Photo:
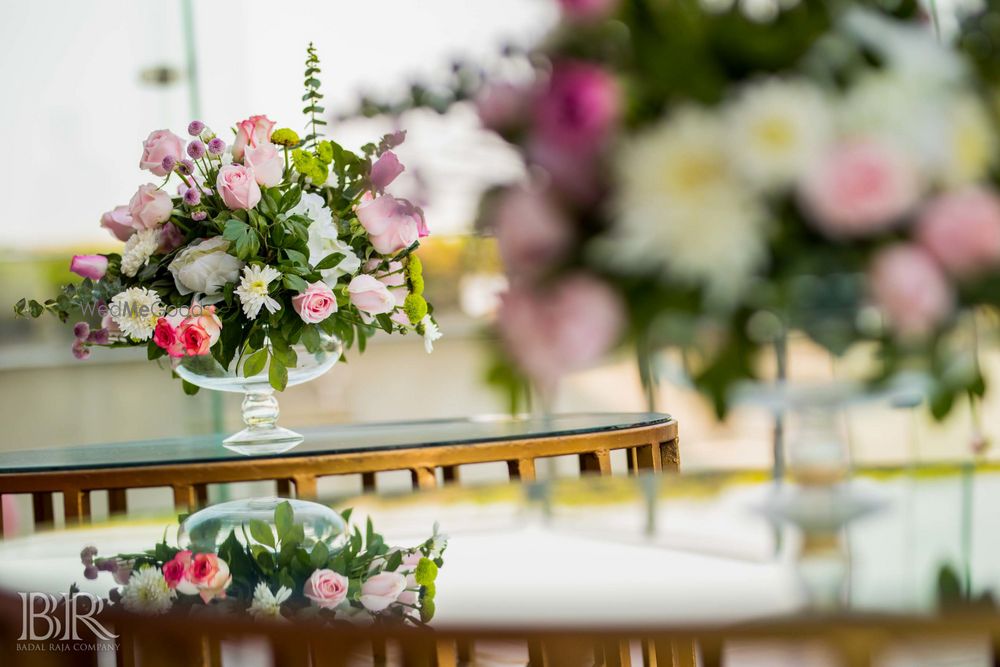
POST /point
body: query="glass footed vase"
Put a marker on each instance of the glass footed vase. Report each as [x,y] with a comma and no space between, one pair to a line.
[262,434]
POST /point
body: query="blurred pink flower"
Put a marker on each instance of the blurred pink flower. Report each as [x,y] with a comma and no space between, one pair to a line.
[382,590]
[89,266]
[501,106]
[118,221]
[962,230]
[158,145]
[910,288]
[859,188]
[587,10]
[578,109]
[565,327]
[385,170]
[531,232]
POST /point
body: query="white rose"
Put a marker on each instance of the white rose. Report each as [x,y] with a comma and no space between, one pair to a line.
[324,238]
[205,267]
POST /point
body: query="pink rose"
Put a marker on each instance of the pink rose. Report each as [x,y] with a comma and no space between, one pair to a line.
[238,187]
[561,328]
[207,320]
[394,278]
[380,591]
[859,188]
[587,10]
[532,233]
[158,145]
[149,207]
[579,109]
[175,570]
[961,230]
[392,224]
[911,290]
[369,295]
[118,221]
[385,170]
[315,304]
[326,588]
[267,163]
[195,340]
[251,132]
[409,565]
[165,337]
[89,266]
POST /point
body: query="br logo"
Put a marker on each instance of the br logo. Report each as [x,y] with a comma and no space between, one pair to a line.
[47,617]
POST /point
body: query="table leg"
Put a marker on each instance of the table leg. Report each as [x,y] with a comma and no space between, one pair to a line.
[521,469]
[305,487]
[466,651]
[671,455]
[43,508]
[201,494]
[283,488]
[536,654]
[645,458]
[596,462]
[76,505]
[185,498]
[423,478]
[368,482]
[450,474]
[117,502]
[617,654]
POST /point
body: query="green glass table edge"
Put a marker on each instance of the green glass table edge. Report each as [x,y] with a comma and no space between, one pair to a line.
[213,451]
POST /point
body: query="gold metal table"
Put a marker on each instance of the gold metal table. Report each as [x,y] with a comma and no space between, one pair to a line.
[187,465]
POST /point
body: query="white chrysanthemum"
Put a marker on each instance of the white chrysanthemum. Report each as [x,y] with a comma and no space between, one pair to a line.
[431,332]
[682,211]
[147,592]
[138,249]
[253,290]
[267,605]
[972,142]
[135,311]
[776,129]
[324,238]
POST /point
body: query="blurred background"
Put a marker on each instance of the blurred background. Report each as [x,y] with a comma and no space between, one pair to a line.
[85,89]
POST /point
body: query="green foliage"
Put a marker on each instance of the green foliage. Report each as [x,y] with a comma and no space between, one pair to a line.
[312,97]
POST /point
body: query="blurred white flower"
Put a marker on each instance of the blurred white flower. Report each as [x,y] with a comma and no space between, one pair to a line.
[138,249]
[682,211]
[777,128]
[972,142]
[147,592]
[135,311]
[324,238]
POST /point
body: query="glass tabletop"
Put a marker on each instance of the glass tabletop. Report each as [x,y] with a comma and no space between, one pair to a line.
[340,439]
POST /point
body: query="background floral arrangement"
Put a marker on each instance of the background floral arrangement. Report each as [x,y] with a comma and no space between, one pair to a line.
[711,175]
[270,241]
[275,574]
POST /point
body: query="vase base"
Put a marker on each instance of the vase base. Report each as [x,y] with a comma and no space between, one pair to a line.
[823,507]
[260,440]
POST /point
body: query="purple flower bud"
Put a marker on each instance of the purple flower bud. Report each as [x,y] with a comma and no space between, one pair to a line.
[198,216]
[196,149]
[99,337]
[216,146]
[87,555]
[115,595]
[81,330]
[90,572]
[195,127]
[107,564]
[186,167]
[168,163]
[80,350]
[192,197]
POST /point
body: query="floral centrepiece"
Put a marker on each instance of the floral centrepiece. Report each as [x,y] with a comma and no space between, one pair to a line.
[249,245]
[732,173]
[275,574]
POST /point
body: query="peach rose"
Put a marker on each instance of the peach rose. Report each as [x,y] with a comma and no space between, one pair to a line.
[267,163]
[380,591]
[205,317]
[238,187]
[326,588]
[251,132]
[961,230]
[315,304]
[149,207]
[158,145]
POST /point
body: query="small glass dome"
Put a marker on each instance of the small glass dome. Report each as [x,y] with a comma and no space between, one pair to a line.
[208,528]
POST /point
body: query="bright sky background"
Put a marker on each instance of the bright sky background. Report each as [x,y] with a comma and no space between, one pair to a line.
[75,111]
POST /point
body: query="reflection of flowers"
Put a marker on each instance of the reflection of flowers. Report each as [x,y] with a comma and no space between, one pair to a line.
[683,211]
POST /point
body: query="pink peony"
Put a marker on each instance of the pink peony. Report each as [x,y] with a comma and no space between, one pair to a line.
[267,163]
[150,207]
[251,132]
[562,328]
[911,290]
[587,10]
[579,109]
[392,224]
[315,304]
[89,266]
[158,145]
[531,232]
[238,187]
[380,591]
[859,188]
[369,295]
[326,588]
[118,221]
[385,170]
[962,231]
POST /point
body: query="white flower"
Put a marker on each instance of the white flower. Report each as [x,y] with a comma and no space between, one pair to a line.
[267,605]
[971,141]
[147,592]
[253,290]
[205,267]
[682,211]
[138,249]
[135,311]
[324,238]
[776,129]
[431,332]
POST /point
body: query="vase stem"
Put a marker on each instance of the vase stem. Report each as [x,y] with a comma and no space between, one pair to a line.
[260,409]
[262,434]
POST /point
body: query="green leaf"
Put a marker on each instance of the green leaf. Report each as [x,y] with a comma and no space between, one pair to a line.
[311,339]
[284,518]
[255,363]
[266,561]
[295,283]
[277,374]
[319,555]
[261,532]
[296,256]
[154,351]
[189,389]
[330,261]
[246,239]
[394,561]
